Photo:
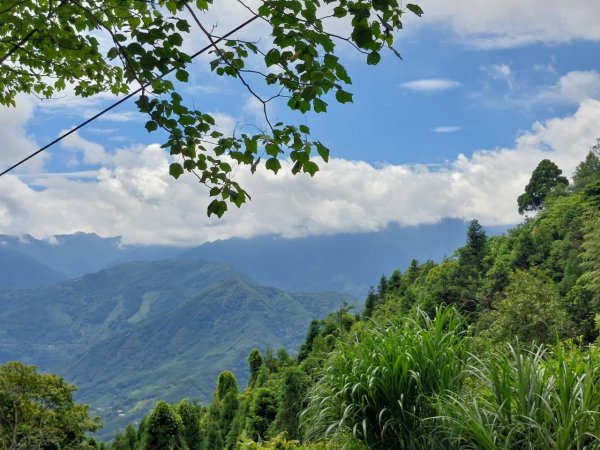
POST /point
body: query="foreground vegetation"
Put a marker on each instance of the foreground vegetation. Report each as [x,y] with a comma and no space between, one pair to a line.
[493,348]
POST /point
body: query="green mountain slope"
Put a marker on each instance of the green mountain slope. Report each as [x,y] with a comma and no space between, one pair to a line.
[141,331]
[180,354]
[47,326]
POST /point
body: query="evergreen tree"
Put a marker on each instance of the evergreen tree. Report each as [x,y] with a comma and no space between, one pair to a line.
[254,362]
[395,281]
[545,178]
[313,331]
[164,429]
[191,414]
[262,412]
[370,303]
[470,267]
[294,385]
[382,287]
[588,170]
[226,382]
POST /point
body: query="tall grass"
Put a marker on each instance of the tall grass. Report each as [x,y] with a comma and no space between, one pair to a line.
[525,400]
[379,386]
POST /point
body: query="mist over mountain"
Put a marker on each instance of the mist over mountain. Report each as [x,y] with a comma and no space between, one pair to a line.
[61,257]
[341,262]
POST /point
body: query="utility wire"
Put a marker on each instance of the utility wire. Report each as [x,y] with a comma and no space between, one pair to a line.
[124,99]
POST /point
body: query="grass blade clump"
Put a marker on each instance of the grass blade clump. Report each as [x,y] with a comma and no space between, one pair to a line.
[380,386]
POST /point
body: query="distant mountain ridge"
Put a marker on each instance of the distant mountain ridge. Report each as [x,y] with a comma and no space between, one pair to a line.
[47,261]
[348,262]
[342,262]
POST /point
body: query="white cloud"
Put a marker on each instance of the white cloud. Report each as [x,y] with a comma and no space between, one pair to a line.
[446,129]
[16,144]
[92,152]
[126,116]
[430,85]
[133,195]
[511,23]
[501,72]
[571,88]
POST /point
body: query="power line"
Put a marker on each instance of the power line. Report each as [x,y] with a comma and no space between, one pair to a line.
[124,99]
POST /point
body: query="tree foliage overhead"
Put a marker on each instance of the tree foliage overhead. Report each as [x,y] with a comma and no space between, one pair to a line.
[48,45]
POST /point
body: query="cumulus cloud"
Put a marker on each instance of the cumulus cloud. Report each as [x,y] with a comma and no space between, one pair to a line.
[571,88]
[92,153]
[430,85]
[133,196]
[511,23]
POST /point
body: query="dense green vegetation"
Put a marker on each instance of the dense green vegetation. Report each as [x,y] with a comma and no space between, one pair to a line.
[37,411]
[495,347]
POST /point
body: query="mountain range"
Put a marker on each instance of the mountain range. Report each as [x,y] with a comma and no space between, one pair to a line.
[342,262]
[133,324]
[142,331]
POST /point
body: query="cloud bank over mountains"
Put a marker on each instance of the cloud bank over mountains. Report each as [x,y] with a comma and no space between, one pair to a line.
[132,195]
[112,188]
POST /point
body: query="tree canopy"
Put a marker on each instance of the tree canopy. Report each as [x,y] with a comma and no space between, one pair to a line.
[37,411]
[49,45]
[544,179]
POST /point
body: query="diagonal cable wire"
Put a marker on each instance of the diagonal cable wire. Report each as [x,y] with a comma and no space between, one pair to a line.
[124,99]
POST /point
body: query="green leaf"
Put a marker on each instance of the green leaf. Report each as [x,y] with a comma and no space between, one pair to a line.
[319,105]
[175,39]
[183,25]
[343,96]
[416,9]
[151,126]
[310,167]
[273,164]
[381,5]
[304,129]
[323,151]
[217,207]
[362,35]
[182,75]
[175,170]
[272,57]
[272,149]
[297,167]
[112,53]
[373,58]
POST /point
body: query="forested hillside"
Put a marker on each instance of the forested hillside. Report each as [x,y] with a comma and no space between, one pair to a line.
[142,331]
[495,347]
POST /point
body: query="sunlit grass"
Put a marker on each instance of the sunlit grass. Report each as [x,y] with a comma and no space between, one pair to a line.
[379,386]
[525,400]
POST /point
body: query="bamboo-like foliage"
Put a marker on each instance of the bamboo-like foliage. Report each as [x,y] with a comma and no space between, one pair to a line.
[525,400]
[380,386]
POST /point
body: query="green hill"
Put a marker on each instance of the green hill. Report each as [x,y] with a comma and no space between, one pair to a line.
[138,332]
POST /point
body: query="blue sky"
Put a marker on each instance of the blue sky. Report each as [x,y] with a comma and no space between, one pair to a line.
[484,91]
